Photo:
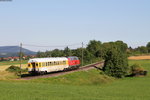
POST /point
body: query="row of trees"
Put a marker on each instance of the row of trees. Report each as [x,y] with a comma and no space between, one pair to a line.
[139,50]
[87,54]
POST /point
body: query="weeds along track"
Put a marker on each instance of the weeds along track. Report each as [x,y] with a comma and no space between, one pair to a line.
[53,74]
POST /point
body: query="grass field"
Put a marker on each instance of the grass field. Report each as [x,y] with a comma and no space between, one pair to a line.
[88,85]
[5,64]
[12,62]
[145,57]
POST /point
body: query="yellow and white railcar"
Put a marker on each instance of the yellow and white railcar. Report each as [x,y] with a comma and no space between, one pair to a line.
[43,65]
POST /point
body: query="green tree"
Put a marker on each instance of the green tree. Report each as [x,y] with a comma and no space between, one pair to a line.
[148,47]
[142,49]
[122,46]
[93,47]
[57,53]
[67,52]
[40,54]
[116,63]
[48,53]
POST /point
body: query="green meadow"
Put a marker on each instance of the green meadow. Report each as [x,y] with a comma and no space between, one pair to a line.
[12,62]
[83,85]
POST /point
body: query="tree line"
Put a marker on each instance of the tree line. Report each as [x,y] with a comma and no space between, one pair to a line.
[139,50]
[95,50]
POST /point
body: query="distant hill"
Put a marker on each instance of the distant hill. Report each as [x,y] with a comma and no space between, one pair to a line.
[8,51]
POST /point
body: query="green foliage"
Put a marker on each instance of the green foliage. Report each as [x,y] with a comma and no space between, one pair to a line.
[67,52]
[40,54]
[148,45]
[57,53]
[93,47]
[15,69]
[141,50]
[144,64]
[136,69]
[116,63]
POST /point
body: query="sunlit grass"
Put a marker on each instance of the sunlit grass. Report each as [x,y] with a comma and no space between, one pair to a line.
[84,85]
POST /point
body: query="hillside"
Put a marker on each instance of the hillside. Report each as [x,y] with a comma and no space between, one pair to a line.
[7,51]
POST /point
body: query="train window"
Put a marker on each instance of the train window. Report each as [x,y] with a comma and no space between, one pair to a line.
[43,64]
[64,62]
[39,64]
[28,65]
[36,64]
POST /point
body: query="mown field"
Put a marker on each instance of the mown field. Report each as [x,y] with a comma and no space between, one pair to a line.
[5,64]
[87,85]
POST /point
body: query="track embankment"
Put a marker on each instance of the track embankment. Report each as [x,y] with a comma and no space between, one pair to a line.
[54,74]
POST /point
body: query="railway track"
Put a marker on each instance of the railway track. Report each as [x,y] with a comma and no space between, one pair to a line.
[97,65]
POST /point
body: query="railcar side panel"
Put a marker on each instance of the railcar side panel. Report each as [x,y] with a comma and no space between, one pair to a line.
[39,65]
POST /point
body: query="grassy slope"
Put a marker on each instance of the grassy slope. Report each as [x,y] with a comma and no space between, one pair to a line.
[78,86]
[91,77]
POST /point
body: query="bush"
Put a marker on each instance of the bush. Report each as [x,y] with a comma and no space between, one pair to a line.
[137,70]
[15,69]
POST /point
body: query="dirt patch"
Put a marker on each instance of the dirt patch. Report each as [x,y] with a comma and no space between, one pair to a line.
[139,58]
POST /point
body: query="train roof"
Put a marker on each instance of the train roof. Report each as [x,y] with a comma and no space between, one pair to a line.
[47,59]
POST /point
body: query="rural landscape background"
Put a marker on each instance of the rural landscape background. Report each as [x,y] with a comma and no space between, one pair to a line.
[113,32]
[90,84]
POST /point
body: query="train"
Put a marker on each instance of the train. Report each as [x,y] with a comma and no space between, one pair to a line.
[52,64]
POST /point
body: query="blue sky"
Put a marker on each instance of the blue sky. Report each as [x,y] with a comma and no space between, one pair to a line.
[65,22]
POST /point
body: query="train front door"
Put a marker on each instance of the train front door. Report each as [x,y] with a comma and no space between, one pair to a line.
[33,67]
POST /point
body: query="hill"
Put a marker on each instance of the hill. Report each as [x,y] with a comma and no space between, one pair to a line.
[7,51]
